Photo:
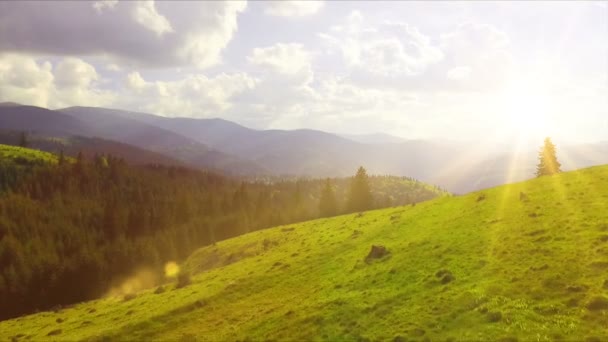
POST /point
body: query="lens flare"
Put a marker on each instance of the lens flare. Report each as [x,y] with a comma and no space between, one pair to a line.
[171,269]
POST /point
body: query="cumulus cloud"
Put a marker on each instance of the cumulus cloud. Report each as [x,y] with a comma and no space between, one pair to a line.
[193,96]
[146,15]
[284,58]
[145,34]
[290,8]
[74,72]
[388,49]
[26,80]
[286,83]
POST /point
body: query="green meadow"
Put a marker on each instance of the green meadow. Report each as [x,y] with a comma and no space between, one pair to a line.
[21,155]
[520,262]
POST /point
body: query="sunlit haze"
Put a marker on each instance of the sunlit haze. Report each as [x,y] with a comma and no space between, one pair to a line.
[417,70]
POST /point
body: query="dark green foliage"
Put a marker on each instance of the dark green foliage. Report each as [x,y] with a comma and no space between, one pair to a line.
[360,195]
[547,160]
[61,159]
[183,280]
[23,141]
[71,230]
[328,206]
[494,317]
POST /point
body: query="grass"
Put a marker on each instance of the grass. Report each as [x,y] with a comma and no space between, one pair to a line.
[526,261]
[21,155]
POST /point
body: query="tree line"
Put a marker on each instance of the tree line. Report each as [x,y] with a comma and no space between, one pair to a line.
[69,230]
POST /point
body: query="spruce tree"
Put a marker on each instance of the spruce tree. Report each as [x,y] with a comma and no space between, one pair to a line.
[360,196]
[547,160]
[61,158]
[23,142]
[328,205]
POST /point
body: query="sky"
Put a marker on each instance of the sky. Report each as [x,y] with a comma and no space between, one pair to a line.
[419,70]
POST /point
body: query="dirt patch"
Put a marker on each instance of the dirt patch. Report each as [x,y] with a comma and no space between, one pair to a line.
[598,303]
[377,252]
[494,317]
[445,276]
[55,332]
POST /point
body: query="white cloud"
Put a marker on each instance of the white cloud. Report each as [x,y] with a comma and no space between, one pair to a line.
[74,72]
[284,58]
[144,12]
[101,5]
[388,49]
[210,30]
[460,73]
[136,34]
[25,80]
[287,8]
[192,96]
[135,81]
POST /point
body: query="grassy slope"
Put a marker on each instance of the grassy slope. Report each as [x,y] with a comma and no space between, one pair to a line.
[524,269]
[22,155]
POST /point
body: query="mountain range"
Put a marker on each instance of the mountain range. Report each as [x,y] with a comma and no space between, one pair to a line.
[231,148]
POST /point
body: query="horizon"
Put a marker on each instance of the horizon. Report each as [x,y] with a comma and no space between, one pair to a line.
[465,73]
[526,143]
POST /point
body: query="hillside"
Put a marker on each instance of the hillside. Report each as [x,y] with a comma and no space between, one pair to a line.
[25,156]
[89,147]
[82,122]
[99,219]
[527,261]
[115,125]
[35,119]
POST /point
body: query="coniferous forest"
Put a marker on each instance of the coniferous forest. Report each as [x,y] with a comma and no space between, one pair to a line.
[72,228]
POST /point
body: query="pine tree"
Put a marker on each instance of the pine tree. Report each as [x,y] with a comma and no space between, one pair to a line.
[23,141]
[360,196]
[547,160]
[61,159]
[328,206]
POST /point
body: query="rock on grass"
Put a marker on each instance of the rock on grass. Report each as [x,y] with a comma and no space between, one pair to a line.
[376,252]
[598,303]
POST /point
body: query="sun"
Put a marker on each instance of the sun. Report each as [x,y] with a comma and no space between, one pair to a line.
[526,110]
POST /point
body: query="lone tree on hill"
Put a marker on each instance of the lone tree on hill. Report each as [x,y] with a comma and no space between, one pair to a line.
[360,196]
[547,160]
[328,206]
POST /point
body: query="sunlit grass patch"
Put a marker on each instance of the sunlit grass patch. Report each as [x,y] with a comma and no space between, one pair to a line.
[507,267]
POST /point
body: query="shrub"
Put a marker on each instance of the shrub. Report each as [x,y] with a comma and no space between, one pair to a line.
[183,280]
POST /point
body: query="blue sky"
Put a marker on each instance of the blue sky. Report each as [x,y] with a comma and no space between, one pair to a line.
[452,70]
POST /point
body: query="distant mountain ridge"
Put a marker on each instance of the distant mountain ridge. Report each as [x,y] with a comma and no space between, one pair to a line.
[52,123]
[374,138]
[224,145]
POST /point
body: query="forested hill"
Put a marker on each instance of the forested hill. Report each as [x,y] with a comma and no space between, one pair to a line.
[71,228]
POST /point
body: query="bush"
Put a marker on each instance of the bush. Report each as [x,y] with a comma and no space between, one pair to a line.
[183,280]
